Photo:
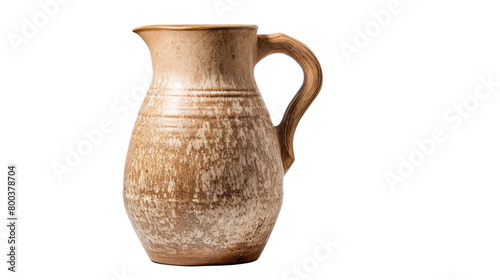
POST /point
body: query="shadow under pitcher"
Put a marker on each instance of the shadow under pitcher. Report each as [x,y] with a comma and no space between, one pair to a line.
[203,181]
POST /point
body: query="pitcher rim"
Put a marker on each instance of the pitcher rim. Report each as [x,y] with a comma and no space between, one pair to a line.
[194,26]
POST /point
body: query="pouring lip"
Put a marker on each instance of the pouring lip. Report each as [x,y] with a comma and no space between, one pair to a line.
[194,27]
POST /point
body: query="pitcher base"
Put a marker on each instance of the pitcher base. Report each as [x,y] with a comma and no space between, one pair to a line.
[207,259]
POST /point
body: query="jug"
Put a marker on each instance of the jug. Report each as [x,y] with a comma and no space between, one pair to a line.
[203,182]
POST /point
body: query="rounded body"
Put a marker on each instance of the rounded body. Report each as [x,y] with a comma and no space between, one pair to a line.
[204,173]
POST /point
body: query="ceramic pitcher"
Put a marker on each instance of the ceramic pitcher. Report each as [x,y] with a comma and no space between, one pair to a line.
[203,179]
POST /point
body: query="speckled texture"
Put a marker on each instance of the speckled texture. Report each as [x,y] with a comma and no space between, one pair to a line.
[204,171]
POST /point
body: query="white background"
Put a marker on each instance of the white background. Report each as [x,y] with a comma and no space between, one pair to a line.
[442,222]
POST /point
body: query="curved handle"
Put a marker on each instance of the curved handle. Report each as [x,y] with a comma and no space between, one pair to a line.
[313,78]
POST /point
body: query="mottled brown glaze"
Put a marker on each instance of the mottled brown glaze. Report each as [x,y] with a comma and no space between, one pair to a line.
[203,180]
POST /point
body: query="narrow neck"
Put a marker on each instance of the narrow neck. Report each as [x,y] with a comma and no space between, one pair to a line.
[205,59]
